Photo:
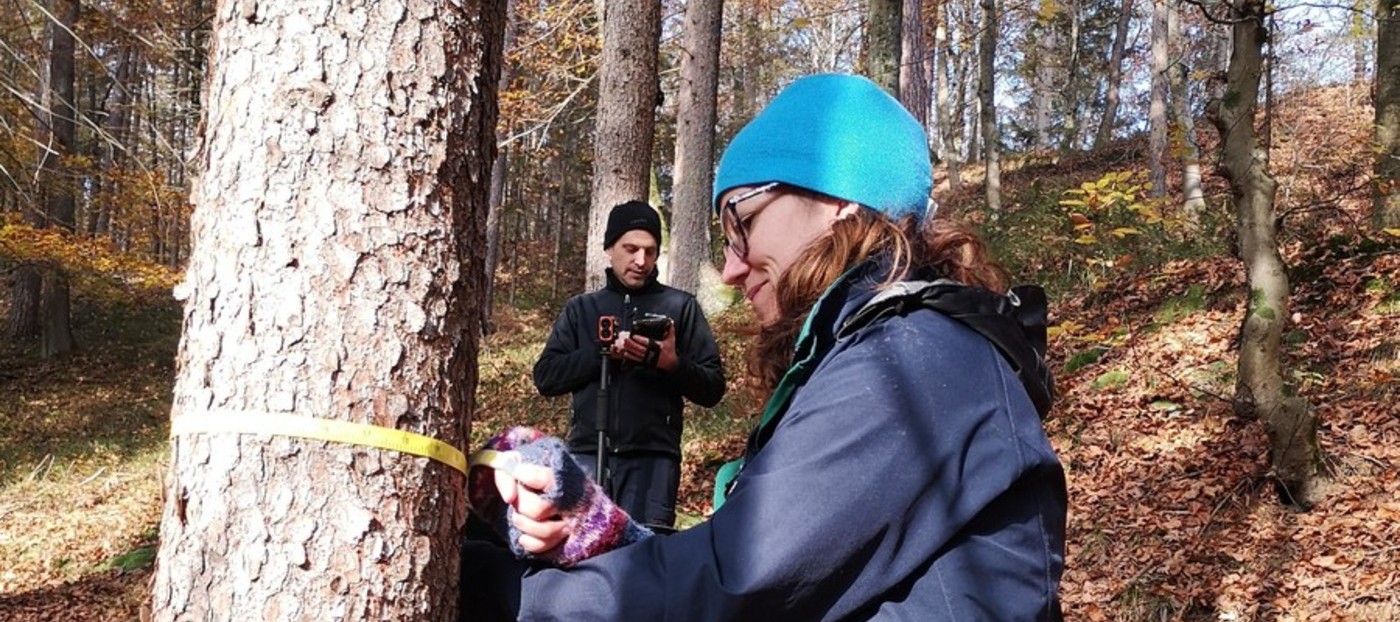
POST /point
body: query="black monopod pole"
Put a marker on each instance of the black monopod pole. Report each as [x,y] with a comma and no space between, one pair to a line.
[607,333]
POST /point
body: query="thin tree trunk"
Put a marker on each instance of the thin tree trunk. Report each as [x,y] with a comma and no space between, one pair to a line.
[948,123]
[1193,197]
[493,239]
[1386,191]
[1043,82]
[1073,84]
[987,87]
[337,266]
[1360,43]
[1114,85]
[1157,108]
[557,242]
[116,128]
[513,263]
[628,93]
[972,135]
[695,143]
[914,62]
[498,184]
[1262,389]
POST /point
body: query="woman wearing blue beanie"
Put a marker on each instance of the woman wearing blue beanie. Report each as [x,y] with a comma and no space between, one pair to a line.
[899,470]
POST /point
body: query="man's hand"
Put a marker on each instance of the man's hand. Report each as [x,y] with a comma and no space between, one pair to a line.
[660,354]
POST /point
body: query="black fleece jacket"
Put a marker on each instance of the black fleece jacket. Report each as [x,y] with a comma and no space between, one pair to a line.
[644,412]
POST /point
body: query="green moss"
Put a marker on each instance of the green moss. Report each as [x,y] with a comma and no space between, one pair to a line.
[1084,359]
[1112,379]
[1177,308]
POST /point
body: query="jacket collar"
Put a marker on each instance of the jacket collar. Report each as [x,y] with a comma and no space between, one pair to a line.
[843,297]
[615,284]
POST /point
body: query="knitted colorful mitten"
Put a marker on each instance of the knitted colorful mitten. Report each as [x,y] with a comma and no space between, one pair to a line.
[595,524]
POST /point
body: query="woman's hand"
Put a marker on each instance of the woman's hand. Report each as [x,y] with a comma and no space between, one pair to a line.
[522,487]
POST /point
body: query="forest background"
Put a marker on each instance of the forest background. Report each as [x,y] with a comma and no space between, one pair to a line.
[1075,134]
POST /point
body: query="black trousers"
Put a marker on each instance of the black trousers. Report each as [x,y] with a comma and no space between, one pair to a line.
[644,484]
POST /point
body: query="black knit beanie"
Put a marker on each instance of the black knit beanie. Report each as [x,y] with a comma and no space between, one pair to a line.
[632,215]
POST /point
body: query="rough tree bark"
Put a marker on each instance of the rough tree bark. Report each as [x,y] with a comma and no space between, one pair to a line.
[914,63]
[882,43]
[338,252]
[695,143]
[24,303]
[628,93]
[1262,390]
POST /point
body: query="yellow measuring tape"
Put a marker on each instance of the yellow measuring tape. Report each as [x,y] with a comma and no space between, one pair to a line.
[499,460]
[320,429]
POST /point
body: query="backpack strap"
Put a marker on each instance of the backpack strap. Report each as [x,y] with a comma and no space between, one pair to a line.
[1014,323]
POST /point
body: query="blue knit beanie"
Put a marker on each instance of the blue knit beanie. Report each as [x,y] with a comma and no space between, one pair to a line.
[839,135]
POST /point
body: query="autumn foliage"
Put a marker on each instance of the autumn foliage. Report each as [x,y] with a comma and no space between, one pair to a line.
[95,266]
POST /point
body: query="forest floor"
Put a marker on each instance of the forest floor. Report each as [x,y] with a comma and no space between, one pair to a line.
[1174,514]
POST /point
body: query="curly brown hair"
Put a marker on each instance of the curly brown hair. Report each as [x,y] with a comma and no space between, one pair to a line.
[939,245]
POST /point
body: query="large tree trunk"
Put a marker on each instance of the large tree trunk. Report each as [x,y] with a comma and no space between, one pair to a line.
[61,209]
[1157,108]
[987,94]
[338,252]
[882,46]
[695,143]
[1262,390]
[628,94]
[1386,191]
[24,303]
[1114,85]
[54,308]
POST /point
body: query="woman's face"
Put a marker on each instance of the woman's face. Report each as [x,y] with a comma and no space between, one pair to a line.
[765,230]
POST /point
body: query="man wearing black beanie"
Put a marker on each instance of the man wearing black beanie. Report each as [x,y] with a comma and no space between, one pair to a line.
[649,379]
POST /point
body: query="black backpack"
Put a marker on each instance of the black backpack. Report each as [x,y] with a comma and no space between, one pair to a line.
[1014,323]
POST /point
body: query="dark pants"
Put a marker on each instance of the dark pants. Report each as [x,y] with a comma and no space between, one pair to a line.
[644,484]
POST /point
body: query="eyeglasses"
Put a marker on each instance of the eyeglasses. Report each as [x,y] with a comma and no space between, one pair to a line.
[736,235]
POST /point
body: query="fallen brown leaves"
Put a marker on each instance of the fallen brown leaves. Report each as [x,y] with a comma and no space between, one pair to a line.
[1174,515]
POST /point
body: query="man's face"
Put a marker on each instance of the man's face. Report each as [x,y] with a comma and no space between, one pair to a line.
[633,257]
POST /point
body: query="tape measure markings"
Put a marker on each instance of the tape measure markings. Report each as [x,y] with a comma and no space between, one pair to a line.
[331,430]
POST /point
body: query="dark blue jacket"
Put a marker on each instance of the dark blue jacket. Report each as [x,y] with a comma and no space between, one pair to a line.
[908,479]
[645,404]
